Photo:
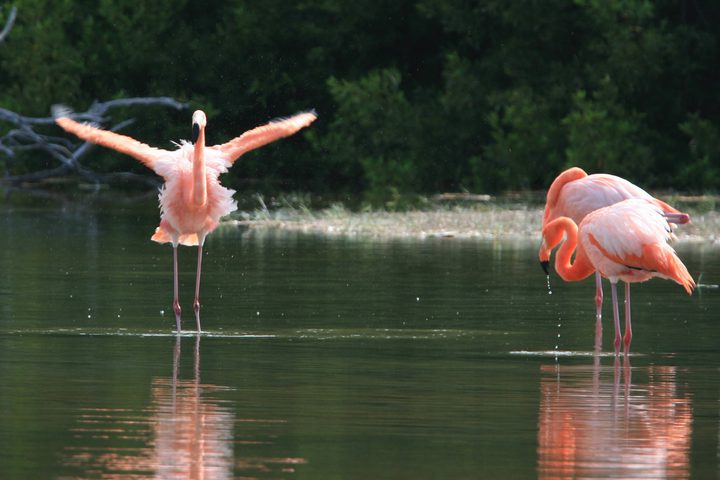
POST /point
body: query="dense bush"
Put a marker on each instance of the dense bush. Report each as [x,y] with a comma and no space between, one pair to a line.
[413,95]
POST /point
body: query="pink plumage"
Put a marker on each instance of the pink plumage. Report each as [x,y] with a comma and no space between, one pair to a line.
[192,200]
[629,241]
[626,241]
[575,194]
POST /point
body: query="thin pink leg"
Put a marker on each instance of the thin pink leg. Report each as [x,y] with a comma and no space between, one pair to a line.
[616,316]
[598,336]
[628,323]
[176,295]
[598,295]
[196,304]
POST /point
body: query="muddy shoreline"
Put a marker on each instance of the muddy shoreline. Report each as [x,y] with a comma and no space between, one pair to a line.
[488,222]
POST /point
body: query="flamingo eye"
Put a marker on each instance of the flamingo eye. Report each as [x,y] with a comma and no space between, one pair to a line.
[195,132]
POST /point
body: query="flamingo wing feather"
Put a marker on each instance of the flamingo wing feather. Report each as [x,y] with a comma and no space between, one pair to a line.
[632,236]
[257,137]
[144,153]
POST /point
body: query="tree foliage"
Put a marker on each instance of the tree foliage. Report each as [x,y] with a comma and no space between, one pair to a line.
[413,95]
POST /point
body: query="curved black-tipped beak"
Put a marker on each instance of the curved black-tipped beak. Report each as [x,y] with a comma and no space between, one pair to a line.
[195,132]
[545,265]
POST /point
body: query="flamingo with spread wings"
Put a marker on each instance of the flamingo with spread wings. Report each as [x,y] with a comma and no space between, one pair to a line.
[626,241]
[192,200]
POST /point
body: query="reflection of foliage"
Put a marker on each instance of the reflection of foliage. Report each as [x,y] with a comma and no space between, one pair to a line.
[414,95]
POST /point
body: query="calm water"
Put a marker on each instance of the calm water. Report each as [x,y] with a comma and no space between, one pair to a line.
[337,358]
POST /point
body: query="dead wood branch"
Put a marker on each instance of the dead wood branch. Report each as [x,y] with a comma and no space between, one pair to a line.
[8,24]
[25,136]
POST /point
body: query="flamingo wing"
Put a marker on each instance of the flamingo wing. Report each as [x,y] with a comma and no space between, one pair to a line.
[257,137]
[631,238]
[129,146]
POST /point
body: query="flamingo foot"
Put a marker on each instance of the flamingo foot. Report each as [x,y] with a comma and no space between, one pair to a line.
[626,342]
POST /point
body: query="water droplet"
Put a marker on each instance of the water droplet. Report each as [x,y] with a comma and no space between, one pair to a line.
[417,299]
[257,313]
[557,345]
[548,285]
[162,312]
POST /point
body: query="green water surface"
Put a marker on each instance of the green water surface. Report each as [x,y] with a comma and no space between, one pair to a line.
[327,358]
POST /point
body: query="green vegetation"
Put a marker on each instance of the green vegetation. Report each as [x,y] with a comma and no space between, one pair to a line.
[414,96]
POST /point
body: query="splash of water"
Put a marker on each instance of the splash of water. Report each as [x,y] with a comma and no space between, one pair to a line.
[548,284]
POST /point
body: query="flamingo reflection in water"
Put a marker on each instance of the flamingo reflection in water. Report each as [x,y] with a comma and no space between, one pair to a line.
[193,432]
[188,432]
[594,427]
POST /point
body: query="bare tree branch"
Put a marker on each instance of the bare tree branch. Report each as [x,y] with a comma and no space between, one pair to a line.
[8,24]
[24,137]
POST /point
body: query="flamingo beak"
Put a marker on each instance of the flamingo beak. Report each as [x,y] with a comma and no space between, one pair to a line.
[544,257]
[545,264]
[195,132]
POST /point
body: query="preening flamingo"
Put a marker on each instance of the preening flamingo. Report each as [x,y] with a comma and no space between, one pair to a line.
[626,241]
[575,194]
[192,200]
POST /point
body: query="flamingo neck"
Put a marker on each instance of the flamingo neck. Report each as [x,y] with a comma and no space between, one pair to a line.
[553,195]
[199,193]
[569,270]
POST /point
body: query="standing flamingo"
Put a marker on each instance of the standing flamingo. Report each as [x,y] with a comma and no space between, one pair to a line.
[575,194]
[192,200]
[626,241]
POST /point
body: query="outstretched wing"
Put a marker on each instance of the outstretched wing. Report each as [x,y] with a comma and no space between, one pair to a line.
[257,137]
[129,146]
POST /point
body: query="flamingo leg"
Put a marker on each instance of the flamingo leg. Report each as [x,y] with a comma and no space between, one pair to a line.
[628,323]
[598,296]
[176,300]
[616,315]
[196,303]
[598,336]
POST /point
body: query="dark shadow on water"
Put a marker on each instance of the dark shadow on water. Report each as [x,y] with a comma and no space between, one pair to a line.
[596,422]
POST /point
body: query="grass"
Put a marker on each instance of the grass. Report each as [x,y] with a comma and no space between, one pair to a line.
[511,216]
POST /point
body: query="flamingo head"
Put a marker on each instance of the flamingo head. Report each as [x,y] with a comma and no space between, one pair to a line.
[554,233]
[199,121]
[544,257]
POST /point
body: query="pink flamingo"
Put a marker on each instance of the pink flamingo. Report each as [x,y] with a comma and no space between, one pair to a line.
[192,200]
[626,241]
[575,194]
